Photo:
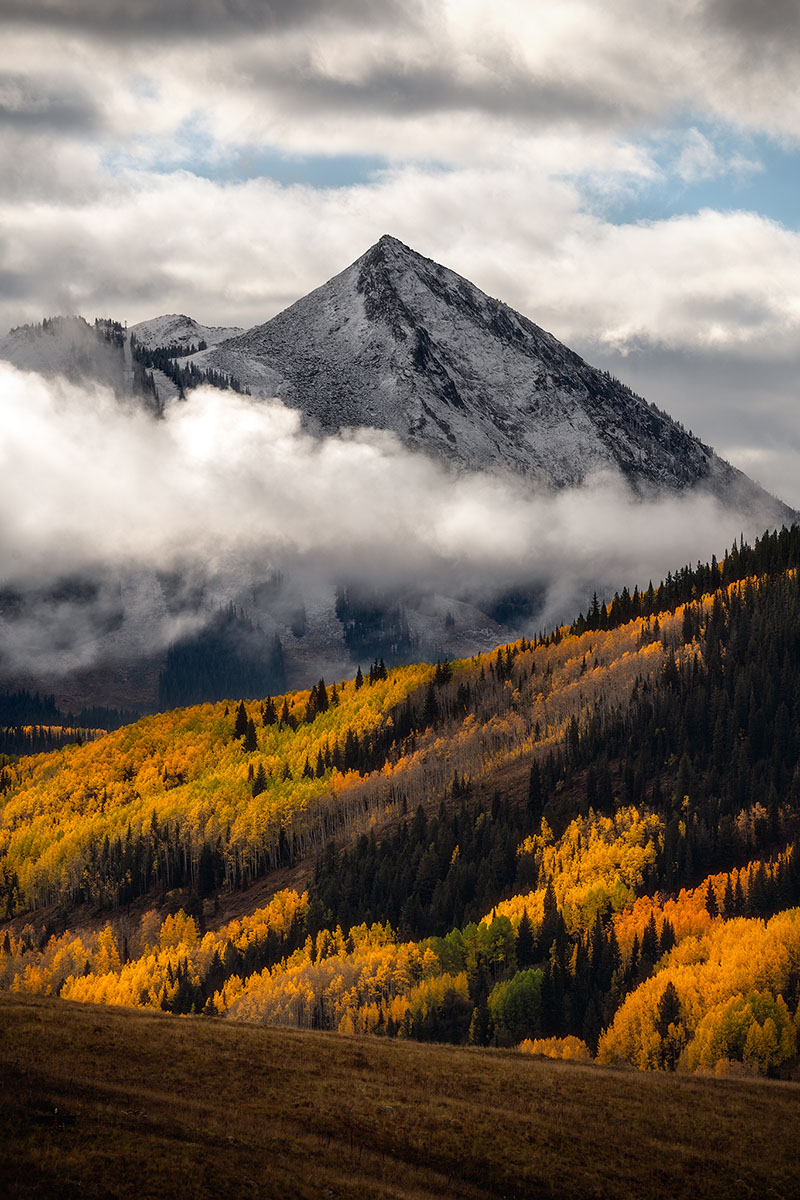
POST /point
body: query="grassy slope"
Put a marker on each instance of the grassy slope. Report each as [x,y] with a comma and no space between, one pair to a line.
[156,1106]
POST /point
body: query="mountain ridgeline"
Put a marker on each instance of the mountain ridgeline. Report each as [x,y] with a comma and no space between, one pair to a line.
[586,844]
[395,343]
[398,342]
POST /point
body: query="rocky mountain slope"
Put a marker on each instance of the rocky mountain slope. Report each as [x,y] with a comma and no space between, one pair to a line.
[396,343]
[399,342]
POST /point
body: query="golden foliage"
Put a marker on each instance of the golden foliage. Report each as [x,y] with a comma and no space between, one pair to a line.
[185,771]
[599,863]
[351,984]
[89,966]
[729,982]
[570,1048]
[182,768]
[687,912]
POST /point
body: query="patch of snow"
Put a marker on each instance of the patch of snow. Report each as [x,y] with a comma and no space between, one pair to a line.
[400,343]
[176,329]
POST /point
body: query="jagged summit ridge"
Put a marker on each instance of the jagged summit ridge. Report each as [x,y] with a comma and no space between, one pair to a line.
[397,341]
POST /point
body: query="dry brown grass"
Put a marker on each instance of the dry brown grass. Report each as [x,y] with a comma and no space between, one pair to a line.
[103,1102]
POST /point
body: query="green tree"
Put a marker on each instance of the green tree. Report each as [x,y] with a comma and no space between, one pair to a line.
[526,942]
[514,1006]
[711,902]
[240,723]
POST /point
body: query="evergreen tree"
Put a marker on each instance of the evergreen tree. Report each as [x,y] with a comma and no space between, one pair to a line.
[525,942]
[430,711]
[711,902]
[668,1027]
[535,798]
[240,722]
[205,872]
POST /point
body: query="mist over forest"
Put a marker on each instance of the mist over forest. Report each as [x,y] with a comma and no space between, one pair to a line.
[124,533]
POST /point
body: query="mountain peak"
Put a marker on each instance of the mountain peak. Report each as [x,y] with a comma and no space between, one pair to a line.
[391,255]
[176,329]
[398,342]
[388,241]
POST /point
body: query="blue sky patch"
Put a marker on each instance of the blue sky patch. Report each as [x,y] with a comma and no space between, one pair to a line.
[192,149]
[703,167]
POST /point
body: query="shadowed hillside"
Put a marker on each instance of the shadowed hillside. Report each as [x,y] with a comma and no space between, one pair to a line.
[105,1102]
[587,843]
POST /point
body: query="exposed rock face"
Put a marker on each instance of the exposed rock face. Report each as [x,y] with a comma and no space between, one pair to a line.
[398,342]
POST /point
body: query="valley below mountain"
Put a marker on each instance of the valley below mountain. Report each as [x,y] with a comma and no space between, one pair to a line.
[570,855]
[399,600]
[585,844]
[478,830]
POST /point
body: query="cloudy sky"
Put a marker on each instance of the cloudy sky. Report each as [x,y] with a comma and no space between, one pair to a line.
[625,174]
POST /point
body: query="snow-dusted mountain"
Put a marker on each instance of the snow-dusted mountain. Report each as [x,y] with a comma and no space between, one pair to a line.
[398,342]
[179,330]
[395,342]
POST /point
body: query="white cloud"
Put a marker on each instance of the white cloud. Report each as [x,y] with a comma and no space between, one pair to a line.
[447,80]
[237,253]
[725,284]
[723,280]
[518,104]
[230,488]
[698,158]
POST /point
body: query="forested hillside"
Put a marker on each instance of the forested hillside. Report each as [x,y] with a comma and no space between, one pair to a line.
[32,724]
[585,844]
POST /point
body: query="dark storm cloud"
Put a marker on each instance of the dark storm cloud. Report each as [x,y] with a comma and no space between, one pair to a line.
[760,37]
[118,19]
[760,20]
[416,90]
[14,285]
[27,107]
